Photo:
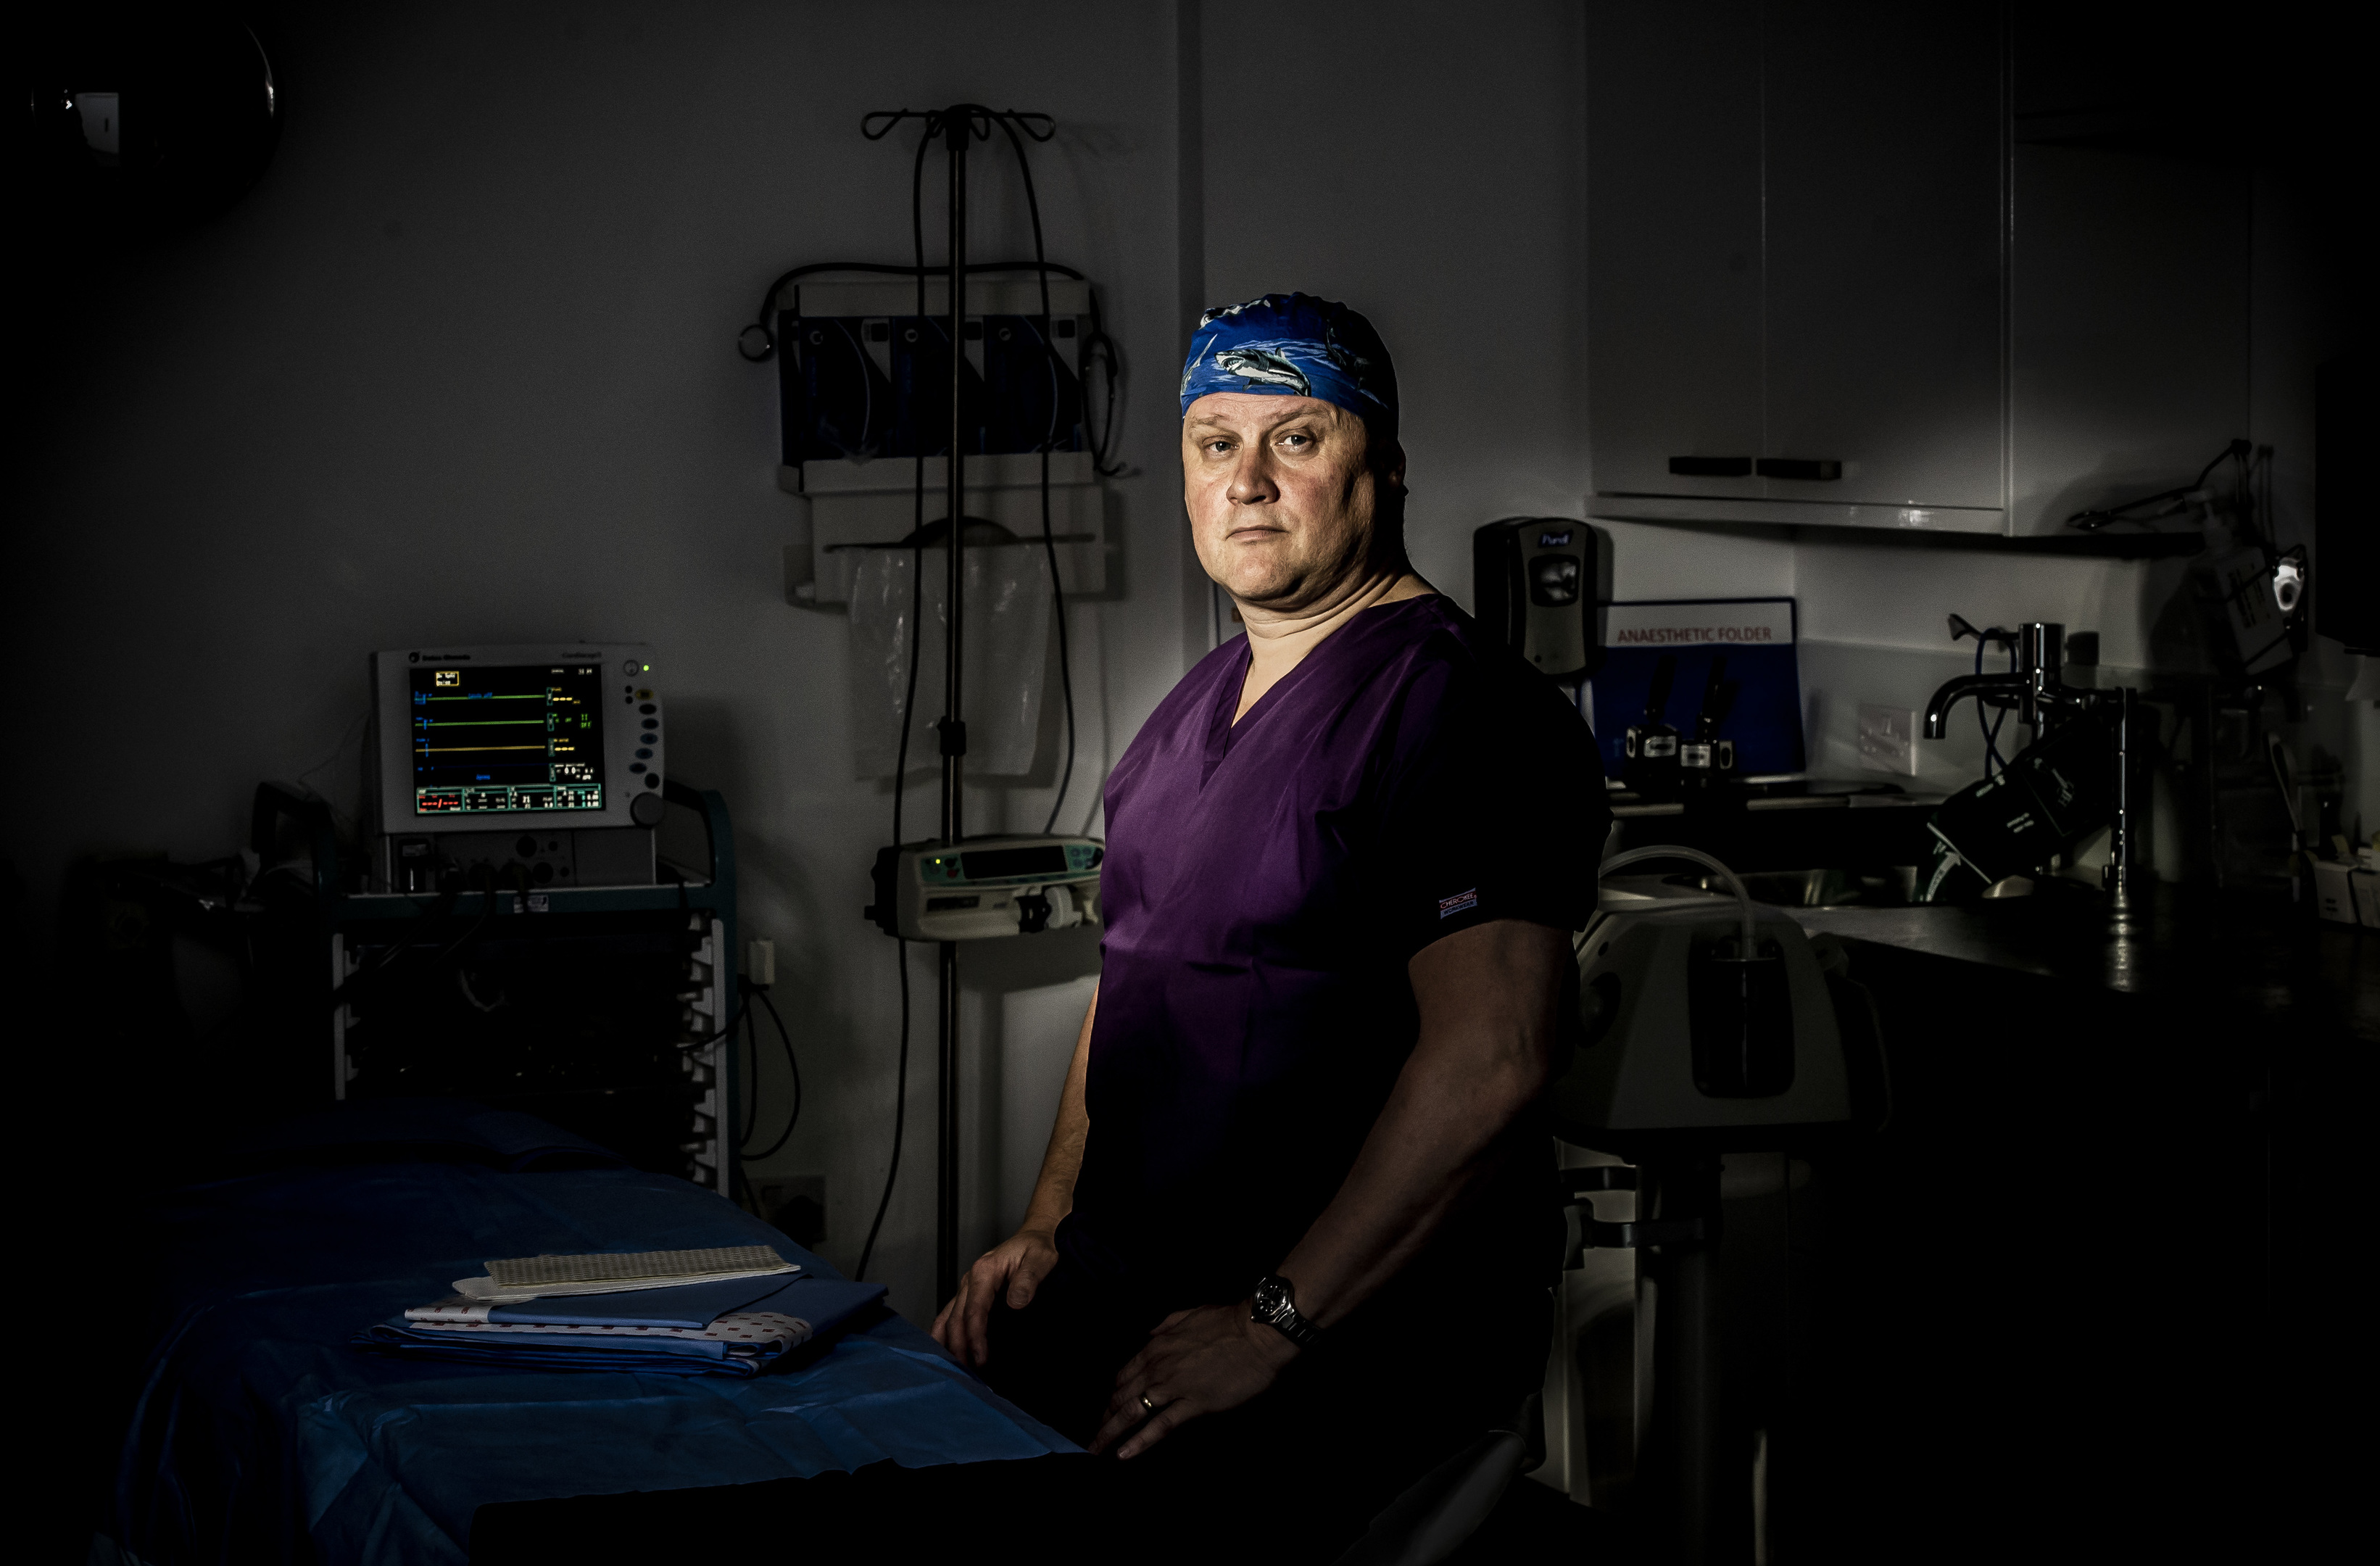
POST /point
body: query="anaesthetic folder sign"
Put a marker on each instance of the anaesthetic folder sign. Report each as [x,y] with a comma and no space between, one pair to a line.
[1754,634]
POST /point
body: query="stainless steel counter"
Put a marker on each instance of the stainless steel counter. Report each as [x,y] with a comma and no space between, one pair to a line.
[2241,948]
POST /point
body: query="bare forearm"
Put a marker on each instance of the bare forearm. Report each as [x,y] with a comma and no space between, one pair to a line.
[1053,1192]
[1483,1057]
[1432,1146]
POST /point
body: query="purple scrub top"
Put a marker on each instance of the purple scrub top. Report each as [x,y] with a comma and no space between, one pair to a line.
[1264,887]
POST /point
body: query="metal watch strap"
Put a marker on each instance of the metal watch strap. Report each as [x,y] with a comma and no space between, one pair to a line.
[1274,1307]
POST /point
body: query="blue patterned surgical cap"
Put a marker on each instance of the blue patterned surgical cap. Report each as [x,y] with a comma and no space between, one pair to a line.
[1294,346]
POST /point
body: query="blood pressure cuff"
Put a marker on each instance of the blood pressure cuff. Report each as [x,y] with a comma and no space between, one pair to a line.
[1294,346]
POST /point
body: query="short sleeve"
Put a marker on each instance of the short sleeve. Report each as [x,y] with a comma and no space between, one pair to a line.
[1491,805]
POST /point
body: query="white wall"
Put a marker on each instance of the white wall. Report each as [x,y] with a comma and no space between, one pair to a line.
[462,369]
[1424,168]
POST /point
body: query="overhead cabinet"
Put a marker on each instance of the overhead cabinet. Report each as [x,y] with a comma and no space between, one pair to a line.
[1826,285]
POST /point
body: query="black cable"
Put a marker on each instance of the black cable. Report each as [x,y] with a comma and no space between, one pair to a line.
[752,1069]
[2252,508]
[341,995]
[1049,544]
[1991,730]
[2175,501]
[1041,267]
[792,1066]
[1065,658]
[908,698]
[900,1102]
[1102,348]
[767,338]
[726,1030]
[1097,346]
[2235,451]
[918,499]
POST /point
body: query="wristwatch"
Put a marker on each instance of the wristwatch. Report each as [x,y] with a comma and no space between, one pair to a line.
[1273,1308]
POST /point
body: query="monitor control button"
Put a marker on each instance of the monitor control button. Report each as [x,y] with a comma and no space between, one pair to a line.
[653,782]
[652,723]
[635,766]
[644,755]
[647,707]
[526,846]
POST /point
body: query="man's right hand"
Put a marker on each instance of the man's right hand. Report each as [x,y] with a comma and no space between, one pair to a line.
[1016,1265]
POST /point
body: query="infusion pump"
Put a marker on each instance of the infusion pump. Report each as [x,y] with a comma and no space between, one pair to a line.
[987,886]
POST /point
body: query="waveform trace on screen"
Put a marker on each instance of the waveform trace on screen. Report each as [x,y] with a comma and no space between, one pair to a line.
[506,739]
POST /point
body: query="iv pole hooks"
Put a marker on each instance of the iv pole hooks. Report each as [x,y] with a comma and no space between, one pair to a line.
[1040,127]
[959,124]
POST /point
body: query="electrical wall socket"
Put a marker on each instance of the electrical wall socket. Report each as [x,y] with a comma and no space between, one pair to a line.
[760,963]
[796,1203]
[1888,739]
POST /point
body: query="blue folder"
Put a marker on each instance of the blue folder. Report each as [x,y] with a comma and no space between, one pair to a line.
[1756,637]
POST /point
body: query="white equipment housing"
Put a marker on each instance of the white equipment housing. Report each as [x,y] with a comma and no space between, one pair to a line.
[549,758]
[987,886]
[1637,1070]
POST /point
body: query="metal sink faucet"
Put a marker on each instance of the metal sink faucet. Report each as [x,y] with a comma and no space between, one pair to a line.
[2037,691]
[2035,685]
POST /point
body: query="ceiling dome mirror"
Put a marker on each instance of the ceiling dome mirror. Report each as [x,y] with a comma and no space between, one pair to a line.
[147,118]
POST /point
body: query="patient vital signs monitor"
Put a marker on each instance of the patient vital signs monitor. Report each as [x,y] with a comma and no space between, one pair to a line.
[535,757]
[510,737]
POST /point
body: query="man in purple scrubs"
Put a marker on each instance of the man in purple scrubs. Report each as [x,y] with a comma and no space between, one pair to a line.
[1293,1233]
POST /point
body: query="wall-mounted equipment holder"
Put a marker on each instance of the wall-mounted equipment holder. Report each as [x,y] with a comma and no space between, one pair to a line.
[864,388]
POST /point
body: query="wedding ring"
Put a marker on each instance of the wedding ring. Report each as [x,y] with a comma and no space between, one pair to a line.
[1146,1404]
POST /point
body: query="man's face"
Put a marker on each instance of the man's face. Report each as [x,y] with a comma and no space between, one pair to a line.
[1284,506]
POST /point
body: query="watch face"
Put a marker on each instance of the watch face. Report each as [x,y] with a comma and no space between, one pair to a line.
[1271,1296]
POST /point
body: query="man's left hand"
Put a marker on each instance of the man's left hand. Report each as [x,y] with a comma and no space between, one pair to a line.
[1196,1362]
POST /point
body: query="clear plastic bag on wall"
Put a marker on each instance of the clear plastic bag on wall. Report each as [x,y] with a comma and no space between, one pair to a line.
[1006,657]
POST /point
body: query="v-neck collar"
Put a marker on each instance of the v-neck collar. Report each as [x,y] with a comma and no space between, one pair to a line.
[1223,732]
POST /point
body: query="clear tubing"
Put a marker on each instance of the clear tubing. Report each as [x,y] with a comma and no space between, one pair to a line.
[1695,855]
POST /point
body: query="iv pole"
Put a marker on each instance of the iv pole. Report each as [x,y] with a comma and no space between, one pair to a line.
[960,122]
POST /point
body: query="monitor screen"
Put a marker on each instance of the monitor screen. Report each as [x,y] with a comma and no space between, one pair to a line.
[506,739]
[991,864]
